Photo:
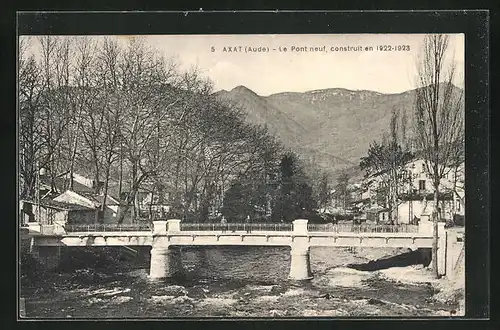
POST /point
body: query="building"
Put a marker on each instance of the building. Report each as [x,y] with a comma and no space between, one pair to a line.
[411,207]
[377,214]
[150,203]
[50,212]
[416,192]
[417,197]
[94,201]
[85,193]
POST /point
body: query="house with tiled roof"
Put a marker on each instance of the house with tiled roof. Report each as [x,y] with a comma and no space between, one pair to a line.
[50,212]
[94,201]
[80,205]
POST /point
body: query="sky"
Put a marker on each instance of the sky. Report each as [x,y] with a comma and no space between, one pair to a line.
[274,71]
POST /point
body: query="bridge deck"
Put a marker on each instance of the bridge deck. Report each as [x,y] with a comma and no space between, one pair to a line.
[239,233]
[257,238]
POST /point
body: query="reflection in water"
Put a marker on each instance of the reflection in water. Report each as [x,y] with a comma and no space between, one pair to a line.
[224,282]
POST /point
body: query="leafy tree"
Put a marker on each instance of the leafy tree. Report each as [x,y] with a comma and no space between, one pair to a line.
[342,190]
[295,198]
[238,202]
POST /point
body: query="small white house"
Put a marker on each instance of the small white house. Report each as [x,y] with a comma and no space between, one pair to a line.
[417,191]
[415,206]
[50,212]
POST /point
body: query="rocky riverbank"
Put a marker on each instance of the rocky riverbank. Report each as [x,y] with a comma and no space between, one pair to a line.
[220,286]
[404,266]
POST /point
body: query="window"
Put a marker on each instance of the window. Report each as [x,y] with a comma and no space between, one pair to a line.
[458,205]
[421,184]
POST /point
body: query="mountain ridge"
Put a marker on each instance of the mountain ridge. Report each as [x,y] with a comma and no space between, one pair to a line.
[329,128]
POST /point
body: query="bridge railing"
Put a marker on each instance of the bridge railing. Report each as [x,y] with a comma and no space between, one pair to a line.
[362,228]
[98,227]
[233,227]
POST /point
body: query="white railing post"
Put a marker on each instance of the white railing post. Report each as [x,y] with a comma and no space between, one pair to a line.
[159,227]
[300,226]
[425,225]
[174,225]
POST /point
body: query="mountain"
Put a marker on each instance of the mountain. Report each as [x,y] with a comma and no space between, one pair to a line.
[260,111]
[329,128]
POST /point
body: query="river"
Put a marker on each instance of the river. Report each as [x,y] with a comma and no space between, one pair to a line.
[227,282]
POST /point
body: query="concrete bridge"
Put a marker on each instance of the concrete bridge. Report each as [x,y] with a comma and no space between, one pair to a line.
[166,235]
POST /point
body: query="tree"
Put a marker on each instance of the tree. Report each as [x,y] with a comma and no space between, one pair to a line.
[145,91]
[375,162]
[237,202]
[323,191]
[342,190]
[30,141]
[387,160]
[107,63]
[293,195]
[398,156]
[54,111]
[439,113]
[91,105]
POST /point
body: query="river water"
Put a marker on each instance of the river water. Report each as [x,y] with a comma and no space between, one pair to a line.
[228,282]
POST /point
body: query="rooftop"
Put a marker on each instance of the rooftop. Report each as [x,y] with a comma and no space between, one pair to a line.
[62,183]
[99,198]
[49,203]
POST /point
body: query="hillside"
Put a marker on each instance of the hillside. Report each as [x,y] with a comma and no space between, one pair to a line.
[331,128]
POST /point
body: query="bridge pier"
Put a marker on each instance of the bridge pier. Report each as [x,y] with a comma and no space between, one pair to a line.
[300,265]
[165,262]
[165,259]
[426,226]
[442,252]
